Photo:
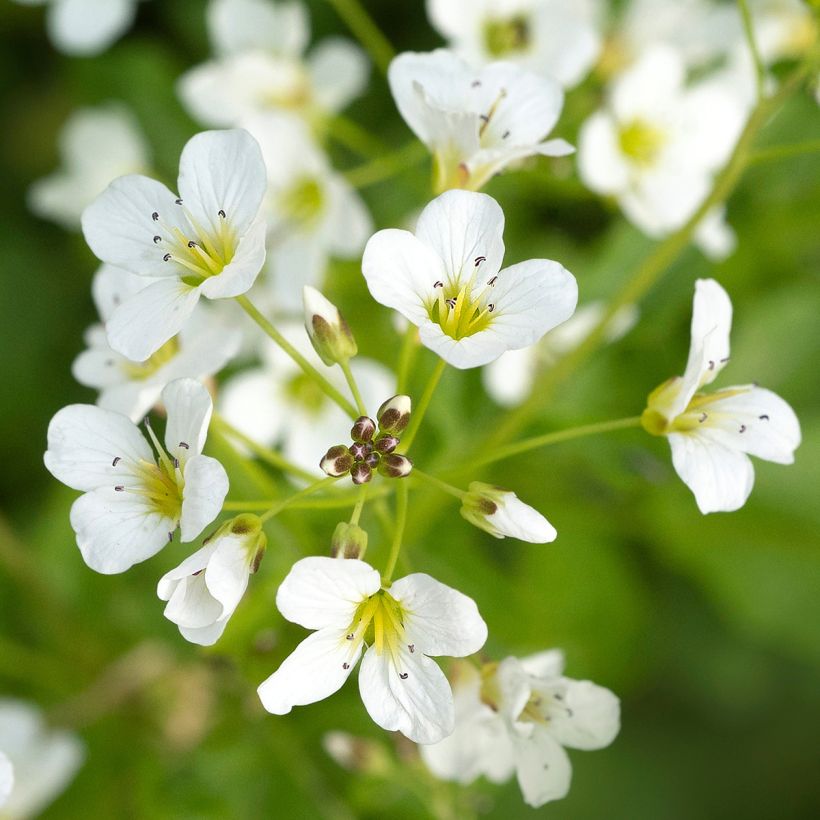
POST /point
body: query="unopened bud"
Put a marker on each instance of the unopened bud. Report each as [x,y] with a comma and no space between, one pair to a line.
[359,754]
[386,443]
[348,541]
[329,332]
[502,514]
[361,473]
[363,429]
[248,528]
[394,465]
[360,451]
[337,461]
[394,415]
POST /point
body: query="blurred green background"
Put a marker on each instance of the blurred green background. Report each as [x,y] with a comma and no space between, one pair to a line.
[707,627]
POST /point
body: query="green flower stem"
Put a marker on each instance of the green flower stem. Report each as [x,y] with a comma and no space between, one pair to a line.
[408,349]
[656,263]
[419,412]
[309,490]
[384,167]
[748,30]
[398,534]
[354,388]
[326,387]
[366,31]
[330,502]
[437,482]
[357,510]
[776,152]
[269,456]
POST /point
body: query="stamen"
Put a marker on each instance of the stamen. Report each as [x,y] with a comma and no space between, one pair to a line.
[492,281]
[703,417]
[349,637]
[178,201]
[183,445]
[116,461]
[479,260]
[221,213]
[155,216]
[411,647]
[742,428]
[345,665]
[490,308]
[167,257]
[438,284]
[157,239]
[764,417]
[119,488]
[505,135]
[171,537]
[475,84]
[711,364]
[403,675]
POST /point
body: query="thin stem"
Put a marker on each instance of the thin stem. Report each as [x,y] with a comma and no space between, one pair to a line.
[357,510]
[309,490]
[326,387]
[437,482]
[776,152]
[366,31]
[751,40]
[384,167]
[354,388]
[408,348]
[398,533]
[419,412]
[342,500]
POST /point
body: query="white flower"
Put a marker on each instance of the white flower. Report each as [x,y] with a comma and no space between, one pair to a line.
[555,38]
[313,213]
[713,435]
[134,500]
[202,348]
[44,761]
[657,144]
[517,716]
[260,65]
[205,589]
[95,145]
[208,241]
[445,279]
[396,628]
[510,378]
[502,514]
[475,121]
[86,27]
[277,402]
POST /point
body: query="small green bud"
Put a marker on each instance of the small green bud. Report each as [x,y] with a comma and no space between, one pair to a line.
[393,465]
[348,541]
[337,461]
[329,332]
[394,415]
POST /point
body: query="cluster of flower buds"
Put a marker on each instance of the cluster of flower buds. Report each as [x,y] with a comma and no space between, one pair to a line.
[374,443]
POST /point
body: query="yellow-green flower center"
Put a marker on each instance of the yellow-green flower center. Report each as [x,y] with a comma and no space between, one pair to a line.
[641,141]
[379,622]
[657,422]
[506,36]
[303,201]
[161,484]
[205,254]
[303,391]
[460,311]
[142,370]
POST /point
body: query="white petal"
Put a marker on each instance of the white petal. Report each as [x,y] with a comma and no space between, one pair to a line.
[601,163]
[194,563]
[111,286]
[323,592]
[189,407]
[238,276]
[349,223]
[439,620]
[509,379]
[6,779]
[471,351]
[250,401]
[86,27]
[116,530]
[191,604]
[144,323]
[338,71]
[648,85]
[715,237]
[316,669]
[543,769]
[84,441]
[420,706]
[228,571]
[246,25]
[546,664]
[515,519]
[206,485]
[588,718]
[721,478]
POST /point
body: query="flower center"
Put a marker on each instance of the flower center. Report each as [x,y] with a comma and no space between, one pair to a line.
[379,622]
[303,201]
[656,421]
[290,90]
[138,371]
[460,309]
[505,36]
[641,142]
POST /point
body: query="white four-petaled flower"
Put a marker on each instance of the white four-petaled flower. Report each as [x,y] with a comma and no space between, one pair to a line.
[207,241]
[396,629]
[134,499]
[712,435]
[446,279]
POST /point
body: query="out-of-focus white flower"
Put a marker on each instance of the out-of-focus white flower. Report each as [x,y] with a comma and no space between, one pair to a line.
[509,379]
[783,29]
[260,65]
[207,241]
[658,143]
[206,588]
[313,213]
[554,38]
[96,145]
[44,761]
[475,121]
[516,717]
[502,514]
[713,435]
[397,628]
[277,402]
[83,28]
[133,499]
[446,279]
[202,348]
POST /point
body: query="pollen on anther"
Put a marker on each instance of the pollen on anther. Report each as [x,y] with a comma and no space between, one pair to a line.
[438,284]
[404,675]
[479,260]
[116,461]
[157,239]
[451,302]
[119,488]
[183,445]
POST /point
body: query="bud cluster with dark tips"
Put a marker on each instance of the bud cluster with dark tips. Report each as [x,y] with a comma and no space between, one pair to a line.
[373,445]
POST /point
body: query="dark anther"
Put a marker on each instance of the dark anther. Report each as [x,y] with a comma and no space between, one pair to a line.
[723,361]
[492,281]
[438,284]
[221,213]
[167,257]
[157,239]
[349,637]
[183,445]
[711,365]
[764,417]
[558,696]
[170,537]
[505,135]
[178,201]
[191,243]
[483,117]
[703,417]
[404,675]
[475,83]
[742,428]
[119,488]
[345,665]
[176,463]
[491,307]
[116,461]
[451,302]
[155,216]
[479,260]
[411,647]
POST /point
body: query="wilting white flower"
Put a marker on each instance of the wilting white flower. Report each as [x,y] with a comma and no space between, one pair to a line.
[206,588]
[510,378]
[133,499]
[277,402]
[396,628]
[44,761]
[208,241]
[85,27]
[554,38]
[95,145]
[515,717]
[712,435]
[203,347]
[658,143]
[313,213]
[502,514]
[260,65]
[475,121]
[446,279]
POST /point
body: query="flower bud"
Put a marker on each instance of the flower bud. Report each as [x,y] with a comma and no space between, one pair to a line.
[329,332]
[361,473]
[360,451]
[394,415]
[386,443]
[394,465]
[348,541]
[502,514]
[358,754]
[249,528]
[337,461]
[363,429]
